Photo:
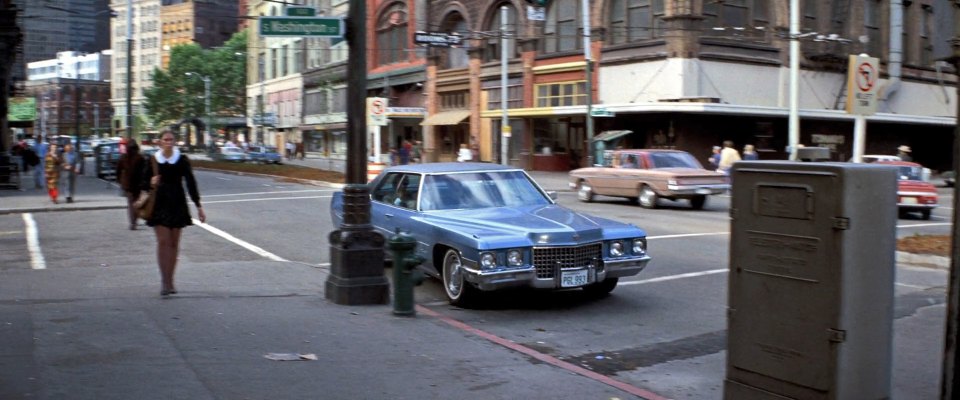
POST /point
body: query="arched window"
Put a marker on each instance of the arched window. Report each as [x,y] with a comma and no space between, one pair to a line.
[392,34]
[562,31]
[491,48]
[632,20]
[455,57]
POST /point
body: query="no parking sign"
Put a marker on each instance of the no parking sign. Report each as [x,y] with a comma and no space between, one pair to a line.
[863,76]
[376,111]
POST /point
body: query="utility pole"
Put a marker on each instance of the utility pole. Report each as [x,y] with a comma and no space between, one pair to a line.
[588,71]
[356,250]
[129,69]
[505,130]
[950,373]
[263,99]
[793,120]
[76,115]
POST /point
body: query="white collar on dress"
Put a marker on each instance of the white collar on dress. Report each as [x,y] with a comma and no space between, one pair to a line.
[172,160]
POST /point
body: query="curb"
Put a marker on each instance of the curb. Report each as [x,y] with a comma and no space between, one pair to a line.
[5,211]
[304,181]
[923,260]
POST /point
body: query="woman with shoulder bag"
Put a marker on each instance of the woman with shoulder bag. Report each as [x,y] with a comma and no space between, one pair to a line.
[130,171]
[170,211]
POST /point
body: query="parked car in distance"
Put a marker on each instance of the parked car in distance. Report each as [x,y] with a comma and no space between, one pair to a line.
[872,158]
[648,175]
[86,149]
[914,192]
[482,227]
[232,154]
[264,154]
[106,157]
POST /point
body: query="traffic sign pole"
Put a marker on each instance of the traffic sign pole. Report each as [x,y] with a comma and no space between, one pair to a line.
[862,82]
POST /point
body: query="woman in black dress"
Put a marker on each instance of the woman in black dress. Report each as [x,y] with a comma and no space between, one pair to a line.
[170,212]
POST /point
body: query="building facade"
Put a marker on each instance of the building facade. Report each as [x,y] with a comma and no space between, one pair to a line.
[158,26]
[684,74]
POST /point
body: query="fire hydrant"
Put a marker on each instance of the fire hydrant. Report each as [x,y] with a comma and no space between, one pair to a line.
[405,273]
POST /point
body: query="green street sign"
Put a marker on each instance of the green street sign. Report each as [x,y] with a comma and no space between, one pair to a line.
[301,12]
[299,26]
[21,109]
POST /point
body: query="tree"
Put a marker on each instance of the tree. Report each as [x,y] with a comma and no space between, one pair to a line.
[175,96]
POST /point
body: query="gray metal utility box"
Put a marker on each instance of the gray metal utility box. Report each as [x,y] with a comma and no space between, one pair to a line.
[812,258]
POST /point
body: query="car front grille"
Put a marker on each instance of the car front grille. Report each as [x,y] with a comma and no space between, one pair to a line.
[550,260]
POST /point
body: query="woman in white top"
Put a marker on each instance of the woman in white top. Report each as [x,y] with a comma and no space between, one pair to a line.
[464,154]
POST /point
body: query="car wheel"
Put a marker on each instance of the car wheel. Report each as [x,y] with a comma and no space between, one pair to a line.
[584,192]
[647,198]
[601,288]
[925,214]
[697,202]
[459,291]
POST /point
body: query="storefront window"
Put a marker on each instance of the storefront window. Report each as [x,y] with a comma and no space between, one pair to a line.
[561,94]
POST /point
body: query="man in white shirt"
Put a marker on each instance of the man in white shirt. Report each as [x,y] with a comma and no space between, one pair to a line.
[728,156]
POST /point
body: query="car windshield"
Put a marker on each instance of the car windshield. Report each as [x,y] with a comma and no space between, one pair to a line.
[911,173]
[674,160]
[473,190]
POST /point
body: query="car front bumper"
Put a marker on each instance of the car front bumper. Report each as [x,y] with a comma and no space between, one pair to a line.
[695,190]
[527,276]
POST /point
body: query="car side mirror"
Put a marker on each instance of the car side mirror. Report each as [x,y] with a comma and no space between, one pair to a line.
[552,194]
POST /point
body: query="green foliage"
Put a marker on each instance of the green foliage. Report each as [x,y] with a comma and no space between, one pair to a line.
[175,95]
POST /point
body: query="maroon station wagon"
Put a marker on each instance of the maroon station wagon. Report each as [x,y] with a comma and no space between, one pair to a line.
[648,175]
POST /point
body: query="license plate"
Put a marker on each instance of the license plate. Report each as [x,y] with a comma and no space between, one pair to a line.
[909,200]
[573,278]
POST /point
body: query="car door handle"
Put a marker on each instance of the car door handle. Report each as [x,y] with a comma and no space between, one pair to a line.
[388,215]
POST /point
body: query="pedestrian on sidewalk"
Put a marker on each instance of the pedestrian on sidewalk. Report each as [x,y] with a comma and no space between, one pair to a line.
[71,167]
[728,156]
[39,172]
[170,211]
[52,164]
[129,173]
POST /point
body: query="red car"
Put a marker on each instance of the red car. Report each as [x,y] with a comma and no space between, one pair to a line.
[913,192]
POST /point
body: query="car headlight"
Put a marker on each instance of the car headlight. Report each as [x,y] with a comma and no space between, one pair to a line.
[639,246]
[616,249]
[514,258]
[488,261]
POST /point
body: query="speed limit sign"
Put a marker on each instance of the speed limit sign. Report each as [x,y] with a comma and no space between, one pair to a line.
[376,111]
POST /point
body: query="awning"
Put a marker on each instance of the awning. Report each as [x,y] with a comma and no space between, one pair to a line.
[447,118]
[610,135]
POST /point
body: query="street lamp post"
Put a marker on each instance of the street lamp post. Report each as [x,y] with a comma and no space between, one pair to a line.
[263,99]
[206,105]
[129,69]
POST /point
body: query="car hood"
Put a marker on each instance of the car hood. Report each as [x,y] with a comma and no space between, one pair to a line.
[538,225]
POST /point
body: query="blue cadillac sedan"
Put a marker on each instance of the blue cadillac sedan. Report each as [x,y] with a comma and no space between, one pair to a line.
[483,227]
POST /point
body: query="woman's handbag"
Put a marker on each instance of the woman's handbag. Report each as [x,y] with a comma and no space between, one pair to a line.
[146,201]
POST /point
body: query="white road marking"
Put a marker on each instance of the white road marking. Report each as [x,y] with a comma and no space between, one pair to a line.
[241,243]
[224,179]
[923,225]
[272,192]
[683,235]
[33,243]
[266,199]
[674,277]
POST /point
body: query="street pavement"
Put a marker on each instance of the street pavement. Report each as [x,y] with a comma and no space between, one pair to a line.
[105,333]
[88,333]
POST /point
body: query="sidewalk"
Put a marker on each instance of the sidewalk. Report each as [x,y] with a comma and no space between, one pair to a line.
[91,194]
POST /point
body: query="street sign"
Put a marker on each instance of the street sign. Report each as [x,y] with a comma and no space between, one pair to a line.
[377,111]
[600,112]
[437,39]
[269,119]
[863,76]
[293,11]
[536,13]
[301,26]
